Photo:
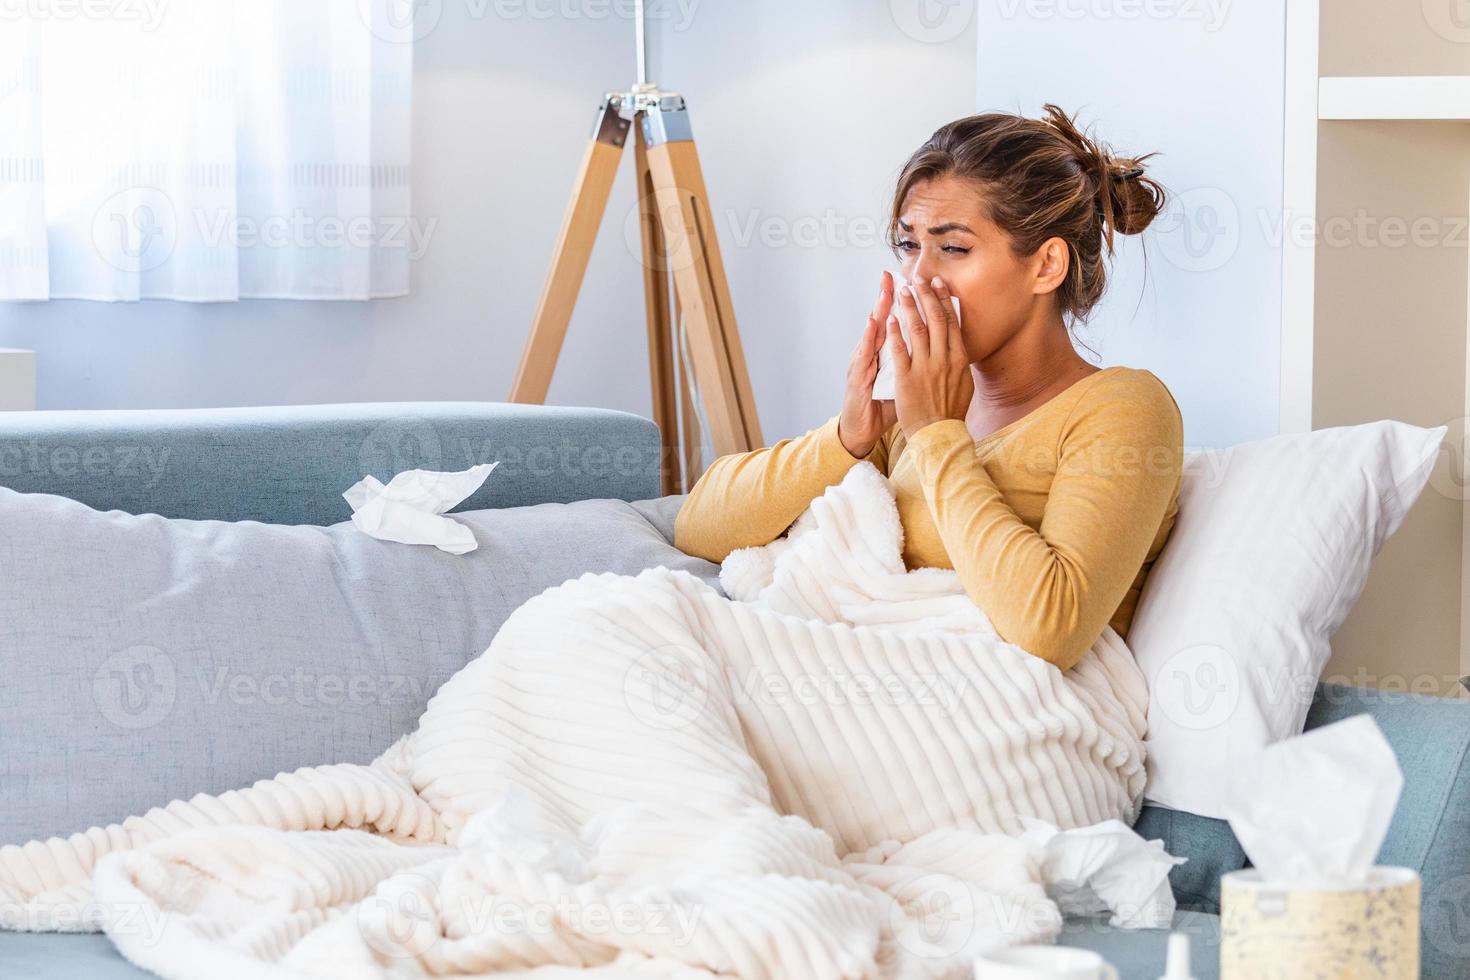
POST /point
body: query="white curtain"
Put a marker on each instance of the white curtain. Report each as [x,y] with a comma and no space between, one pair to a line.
[206,150]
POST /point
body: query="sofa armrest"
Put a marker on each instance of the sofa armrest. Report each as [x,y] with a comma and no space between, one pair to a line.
[290,464]
[1430,831]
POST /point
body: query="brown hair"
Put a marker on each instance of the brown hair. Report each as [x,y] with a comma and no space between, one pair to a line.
[1042,178]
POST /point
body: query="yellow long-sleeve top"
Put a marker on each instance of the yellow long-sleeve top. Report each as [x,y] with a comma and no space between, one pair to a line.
[1052,521]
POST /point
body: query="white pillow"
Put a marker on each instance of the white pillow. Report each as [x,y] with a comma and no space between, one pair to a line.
[1269,552]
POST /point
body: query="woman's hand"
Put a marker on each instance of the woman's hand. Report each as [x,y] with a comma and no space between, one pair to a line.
[863,420]
[933,382]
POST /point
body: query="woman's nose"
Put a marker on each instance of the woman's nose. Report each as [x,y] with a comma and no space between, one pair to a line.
[922,268]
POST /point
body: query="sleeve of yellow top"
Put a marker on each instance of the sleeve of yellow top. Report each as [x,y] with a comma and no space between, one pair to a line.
[1051,591]
[751,498]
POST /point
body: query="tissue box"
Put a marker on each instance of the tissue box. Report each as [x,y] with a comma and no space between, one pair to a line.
[1364,929]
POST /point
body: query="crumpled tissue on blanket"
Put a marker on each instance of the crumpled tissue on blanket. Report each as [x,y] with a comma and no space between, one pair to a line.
[408,509]
[1104,866]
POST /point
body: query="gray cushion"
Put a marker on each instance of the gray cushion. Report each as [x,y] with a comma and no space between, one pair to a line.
[147,659]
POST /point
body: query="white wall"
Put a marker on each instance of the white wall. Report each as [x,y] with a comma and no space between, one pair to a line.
[503,108]
[803,116]
[1201,82]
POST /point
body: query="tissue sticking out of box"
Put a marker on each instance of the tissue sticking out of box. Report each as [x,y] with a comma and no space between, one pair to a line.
[408,509]
[1313,810]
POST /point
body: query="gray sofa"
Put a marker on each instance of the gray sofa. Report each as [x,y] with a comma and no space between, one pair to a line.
[286,468]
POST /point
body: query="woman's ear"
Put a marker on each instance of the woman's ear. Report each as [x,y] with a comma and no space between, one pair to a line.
[1051,262]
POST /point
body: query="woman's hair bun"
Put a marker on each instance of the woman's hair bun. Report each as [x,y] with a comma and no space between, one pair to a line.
[1128,200]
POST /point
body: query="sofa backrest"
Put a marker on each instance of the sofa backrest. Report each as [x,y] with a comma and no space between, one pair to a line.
[289,465]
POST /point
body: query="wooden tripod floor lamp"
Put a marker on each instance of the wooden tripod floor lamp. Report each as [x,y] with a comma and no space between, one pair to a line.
[678,244]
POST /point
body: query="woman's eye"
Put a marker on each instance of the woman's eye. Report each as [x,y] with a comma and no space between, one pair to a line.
[906,245]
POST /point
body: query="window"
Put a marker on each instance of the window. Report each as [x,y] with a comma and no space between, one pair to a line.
[205,150]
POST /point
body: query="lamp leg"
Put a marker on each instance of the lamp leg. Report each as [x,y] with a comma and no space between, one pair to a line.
[693,450]
[569,260]
[660,325]
[679,243]
[699,278]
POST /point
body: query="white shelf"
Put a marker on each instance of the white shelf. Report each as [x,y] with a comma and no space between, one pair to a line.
[1417,97]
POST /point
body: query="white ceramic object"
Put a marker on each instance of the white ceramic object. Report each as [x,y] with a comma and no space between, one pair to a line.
[1034,962]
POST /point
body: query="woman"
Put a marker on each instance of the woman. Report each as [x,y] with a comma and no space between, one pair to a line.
[1049,485]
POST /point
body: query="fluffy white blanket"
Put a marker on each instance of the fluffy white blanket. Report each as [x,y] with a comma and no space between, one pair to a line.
[828,774]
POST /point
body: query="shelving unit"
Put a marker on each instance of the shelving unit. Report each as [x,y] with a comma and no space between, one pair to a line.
[1376,301]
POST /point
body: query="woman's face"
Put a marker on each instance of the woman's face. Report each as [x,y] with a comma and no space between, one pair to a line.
[943,231]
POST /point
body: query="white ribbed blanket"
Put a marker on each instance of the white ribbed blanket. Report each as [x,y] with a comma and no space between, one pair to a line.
[824,775]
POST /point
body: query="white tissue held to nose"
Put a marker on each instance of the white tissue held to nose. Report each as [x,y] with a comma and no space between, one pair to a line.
[408,508]
[883,389]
